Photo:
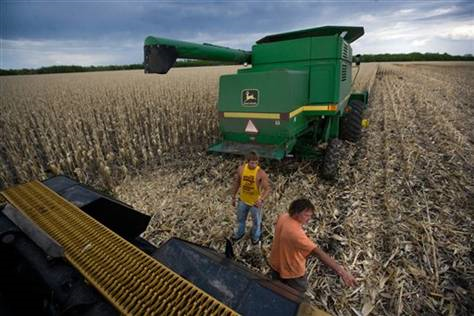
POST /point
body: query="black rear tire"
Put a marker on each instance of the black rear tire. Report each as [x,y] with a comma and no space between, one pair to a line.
[351,124]
[332,156]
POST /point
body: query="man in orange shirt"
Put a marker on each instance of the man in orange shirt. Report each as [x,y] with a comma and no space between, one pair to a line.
[291,247]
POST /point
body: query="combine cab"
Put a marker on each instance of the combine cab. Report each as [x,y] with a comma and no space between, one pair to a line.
[296,96]
[69,250]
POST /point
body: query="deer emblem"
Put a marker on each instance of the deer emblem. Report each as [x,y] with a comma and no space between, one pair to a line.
[249,96]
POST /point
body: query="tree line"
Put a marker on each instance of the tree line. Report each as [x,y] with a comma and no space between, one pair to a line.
[194,63]
[415,57]
[74,68]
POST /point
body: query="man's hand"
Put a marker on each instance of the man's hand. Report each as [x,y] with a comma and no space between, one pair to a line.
[348,278]
[235,190]
[262,178]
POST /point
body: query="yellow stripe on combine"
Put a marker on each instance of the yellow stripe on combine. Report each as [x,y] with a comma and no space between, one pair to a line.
[271,116]
[307,108]
[277,116]
[331,107]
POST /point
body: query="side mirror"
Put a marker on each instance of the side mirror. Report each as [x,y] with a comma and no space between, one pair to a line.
[357,59]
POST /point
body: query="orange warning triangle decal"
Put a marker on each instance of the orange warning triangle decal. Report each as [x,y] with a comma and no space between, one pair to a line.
[251,128]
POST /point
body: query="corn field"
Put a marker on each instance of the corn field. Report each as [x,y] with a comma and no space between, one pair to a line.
[399,217]
[109,124]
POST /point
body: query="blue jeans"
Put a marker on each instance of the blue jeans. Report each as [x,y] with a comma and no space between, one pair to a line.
[242,213]
[300,284]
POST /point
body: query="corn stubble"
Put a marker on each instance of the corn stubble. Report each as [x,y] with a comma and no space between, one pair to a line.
[399,217]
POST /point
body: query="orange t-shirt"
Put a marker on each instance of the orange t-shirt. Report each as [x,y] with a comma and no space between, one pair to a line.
[290,248]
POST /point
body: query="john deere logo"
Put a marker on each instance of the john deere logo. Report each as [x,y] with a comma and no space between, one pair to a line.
[250,97]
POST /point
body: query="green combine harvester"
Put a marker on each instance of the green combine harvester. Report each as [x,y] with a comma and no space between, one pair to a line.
[296,96]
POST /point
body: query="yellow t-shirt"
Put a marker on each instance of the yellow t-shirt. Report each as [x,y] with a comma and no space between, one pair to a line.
[249,191]
[290,248]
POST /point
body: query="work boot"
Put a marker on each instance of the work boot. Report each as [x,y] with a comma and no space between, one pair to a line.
[255,242]
[236,239]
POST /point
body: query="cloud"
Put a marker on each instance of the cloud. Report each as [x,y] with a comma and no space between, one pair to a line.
[37,34]
[367,18]
[424,27]
[462,32]
[37,53]
[393,31]
[240,41]
[451,13]
[405,12]
[441,11]
[420,42]
[59,58]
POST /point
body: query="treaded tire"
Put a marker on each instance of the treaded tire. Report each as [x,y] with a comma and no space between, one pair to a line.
[332,156]
[351,124]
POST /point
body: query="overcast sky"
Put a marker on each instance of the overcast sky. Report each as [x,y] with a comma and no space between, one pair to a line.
[44,33]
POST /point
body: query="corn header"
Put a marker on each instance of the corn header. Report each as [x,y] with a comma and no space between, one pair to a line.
[67,249]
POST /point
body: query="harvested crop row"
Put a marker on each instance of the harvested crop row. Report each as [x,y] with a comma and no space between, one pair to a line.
[399,217]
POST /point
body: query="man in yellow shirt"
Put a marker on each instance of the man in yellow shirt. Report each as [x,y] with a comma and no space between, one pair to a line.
[253,185]
[291,247]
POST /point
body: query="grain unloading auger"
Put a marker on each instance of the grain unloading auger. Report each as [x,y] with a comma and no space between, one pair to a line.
[296,96]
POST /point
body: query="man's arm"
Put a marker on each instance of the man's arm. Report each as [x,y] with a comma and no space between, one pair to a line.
[265,182]
[235,189]
[349,280]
